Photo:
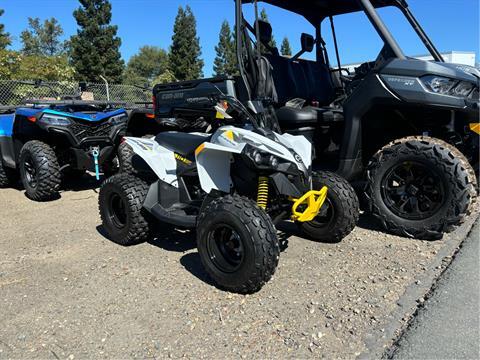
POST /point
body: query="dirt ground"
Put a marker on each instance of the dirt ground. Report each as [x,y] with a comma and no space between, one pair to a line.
[68,292]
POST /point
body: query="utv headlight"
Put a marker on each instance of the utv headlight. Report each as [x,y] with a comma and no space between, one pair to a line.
[119,119]
[463,89]
[54,120]
[446,86]
[438,84]
[475,95]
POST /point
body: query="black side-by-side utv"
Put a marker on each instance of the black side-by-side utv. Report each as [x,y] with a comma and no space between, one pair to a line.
[402,129]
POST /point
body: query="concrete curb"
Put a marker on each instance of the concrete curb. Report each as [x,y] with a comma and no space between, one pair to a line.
[380,343]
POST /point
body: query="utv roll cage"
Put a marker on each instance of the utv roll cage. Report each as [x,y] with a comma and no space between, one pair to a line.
[315,11]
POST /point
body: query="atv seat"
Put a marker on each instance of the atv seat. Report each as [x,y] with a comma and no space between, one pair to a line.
[182,143]
[309,116]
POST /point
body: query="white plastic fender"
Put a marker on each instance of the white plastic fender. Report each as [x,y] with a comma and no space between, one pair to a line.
[213,166]
[160,159]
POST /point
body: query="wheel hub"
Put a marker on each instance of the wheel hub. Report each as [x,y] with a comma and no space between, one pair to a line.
[225,248]
[412,190]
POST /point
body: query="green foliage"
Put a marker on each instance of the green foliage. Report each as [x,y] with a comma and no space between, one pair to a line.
[225,62]
[286,49]
[5,39]
[17,66]
[185,52]
[144,67]
[95,50]
[165,77]
[43,39]
[9,64]
[272,43]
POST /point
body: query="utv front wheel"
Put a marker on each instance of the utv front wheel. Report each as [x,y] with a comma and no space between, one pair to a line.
[39,171]
[123,217]
[238,244]
[418,188]
[338,215]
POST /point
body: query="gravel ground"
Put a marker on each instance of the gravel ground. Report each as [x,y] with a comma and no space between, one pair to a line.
[68,292]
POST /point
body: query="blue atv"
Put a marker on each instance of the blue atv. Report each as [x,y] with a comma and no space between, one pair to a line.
[45,141]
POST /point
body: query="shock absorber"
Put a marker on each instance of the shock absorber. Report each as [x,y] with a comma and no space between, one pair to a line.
[262,195]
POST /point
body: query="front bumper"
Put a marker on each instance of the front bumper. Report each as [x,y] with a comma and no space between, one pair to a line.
[307,207]
[81,134]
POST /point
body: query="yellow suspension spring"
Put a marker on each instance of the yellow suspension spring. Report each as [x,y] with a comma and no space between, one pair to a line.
[262,195]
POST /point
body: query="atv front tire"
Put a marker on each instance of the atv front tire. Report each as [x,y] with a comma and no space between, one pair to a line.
[8,176]
[238,244]
[123,217]
[339,214]
[39,171]
[419,187]
[125,154]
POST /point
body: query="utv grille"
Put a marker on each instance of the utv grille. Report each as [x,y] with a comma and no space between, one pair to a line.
[84,130]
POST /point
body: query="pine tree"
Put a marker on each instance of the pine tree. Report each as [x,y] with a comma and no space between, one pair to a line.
[5,39]
[264,17]
[286,49]
[95,50]
[43,39]
[185,52]
[225,62]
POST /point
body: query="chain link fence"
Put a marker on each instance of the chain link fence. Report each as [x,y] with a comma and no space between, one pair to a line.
[14,93]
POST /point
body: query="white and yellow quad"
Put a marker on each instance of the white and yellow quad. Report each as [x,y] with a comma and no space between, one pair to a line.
[232,184]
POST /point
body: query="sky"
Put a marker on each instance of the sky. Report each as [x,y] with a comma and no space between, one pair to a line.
[451,24]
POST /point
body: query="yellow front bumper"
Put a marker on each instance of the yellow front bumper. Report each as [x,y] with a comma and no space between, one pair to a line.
[313,200]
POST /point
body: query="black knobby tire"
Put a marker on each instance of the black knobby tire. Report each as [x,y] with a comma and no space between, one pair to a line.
[123,217]
[339,214]
[125,154]
[251,230]
[8,176]
[433,191]
[472,177]
[39,171]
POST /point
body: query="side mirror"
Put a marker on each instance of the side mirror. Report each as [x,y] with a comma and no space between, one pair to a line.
[308,43]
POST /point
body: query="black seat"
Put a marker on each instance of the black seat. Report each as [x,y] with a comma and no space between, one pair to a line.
[292,118]
[309,116]
[181,143]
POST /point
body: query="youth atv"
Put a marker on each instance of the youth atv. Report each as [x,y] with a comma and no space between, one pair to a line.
[46,140]
[405,131]
[232,184]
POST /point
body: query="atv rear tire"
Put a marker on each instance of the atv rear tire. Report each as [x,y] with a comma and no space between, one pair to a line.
[238,244]
[419,187]
[340,212]
[123,217]
[39,171]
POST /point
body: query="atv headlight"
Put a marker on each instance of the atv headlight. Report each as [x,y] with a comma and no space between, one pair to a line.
[262,158]
[54,120]
[267,161]
[438,84]
[119,119]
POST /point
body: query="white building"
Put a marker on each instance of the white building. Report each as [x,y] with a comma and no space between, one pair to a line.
[457,57]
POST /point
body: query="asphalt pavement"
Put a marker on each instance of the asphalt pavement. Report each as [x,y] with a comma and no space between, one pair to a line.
[447,327]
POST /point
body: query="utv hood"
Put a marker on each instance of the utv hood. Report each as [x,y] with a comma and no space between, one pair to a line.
[418,68]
